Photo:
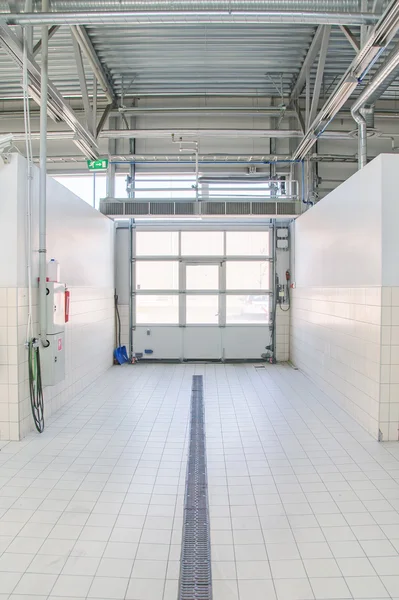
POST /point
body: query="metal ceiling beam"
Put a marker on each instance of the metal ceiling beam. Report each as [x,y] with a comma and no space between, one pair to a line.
[208,159]
[352,39]
[184,111]
[224,16]
[188,135]
[55,102]
[320,72]
[307,63]
[86,46]
[363,29]
[103,119]
[376,43]
[37,47]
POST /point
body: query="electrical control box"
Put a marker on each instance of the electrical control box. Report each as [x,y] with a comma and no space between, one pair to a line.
[55,307]
[52,359]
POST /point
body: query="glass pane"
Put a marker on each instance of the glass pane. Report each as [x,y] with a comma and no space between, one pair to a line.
[202,277]
[202,310]
[247,243]
[157,275]
[157,309]
[155,187]
[247,275]
[247,309]
[157,243]
[202,243]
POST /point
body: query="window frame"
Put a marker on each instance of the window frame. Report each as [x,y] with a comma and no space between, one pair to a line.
[184,261]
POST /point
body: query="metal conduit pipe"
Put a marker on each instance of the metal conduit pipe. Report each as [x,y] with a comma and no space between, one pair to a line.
[173,17]
[369,95]
[43,184]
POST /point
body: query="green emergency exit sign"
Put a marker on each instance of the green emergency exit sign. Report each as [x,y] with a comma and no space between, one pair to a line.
[98,165]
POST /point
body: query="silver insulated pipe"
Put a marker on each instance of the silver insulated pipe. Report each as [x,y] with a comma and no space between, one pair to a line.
[163,12]
[339,6]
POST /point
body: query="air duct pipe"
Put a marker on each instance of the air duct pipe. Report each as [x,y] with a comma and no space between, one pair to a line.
[364,105]
[178,5]
[43,183]
[222,14]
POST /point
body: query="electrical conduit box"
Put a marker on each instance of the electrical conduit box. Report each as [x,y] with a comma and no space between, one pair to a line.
[52,358]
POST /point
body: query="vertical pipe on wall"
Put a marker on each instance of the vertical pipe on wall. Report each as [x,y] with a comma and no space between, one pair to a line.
[132,254]
[132,168]
[274,292]
[93,126]
[94,190]
[43,182]
[196,173]
[112,123]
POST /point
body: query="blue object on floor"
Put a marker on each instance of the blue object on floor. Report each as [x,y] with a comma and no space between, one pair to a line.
[120,355]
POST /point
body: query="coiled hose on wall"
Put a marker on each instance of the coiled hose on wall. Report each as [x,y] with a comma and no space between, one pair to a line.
[35,385]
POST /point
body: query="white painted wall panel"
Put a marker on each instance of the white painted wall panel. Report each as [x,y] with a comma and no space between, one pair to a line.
[336,313]
[82,240]
[390,220]
[344,329]
[8,224]
[339,240]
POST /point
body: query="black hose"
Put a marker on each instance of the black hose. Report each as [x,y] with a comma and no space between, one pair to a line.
[35,385]
[118,318]
[288,299]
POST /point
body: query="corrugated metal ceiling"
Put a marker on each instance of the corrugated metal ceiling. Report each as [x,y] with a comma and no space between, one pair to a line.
[260,60]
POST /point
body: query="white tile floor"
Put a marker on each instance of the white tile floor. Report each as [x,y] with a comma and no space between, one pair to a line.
[304,504]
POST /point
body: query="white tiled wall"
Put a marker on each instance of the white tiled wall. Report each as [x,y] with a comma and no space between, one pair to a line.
[9,357]
[283,333]
[335,339]
[89,339]
[82,240]
[389,389]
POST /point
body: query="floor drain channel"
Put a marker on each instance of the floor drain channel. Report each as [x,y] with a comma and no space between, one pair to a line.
[195,567]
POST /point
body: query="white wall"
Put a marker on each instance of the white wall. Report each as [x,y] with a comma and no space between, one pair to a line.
[345,317]
[338,241]
[82,240]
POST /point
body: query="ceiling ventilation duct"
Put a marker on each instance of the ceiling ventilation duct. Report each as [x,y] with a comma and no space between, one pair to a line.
[195,5]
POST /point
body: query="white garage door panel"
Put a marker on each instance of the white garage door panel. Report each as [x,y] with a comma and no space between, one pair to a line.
[245,342]
[165,342]
[201,294]
[202,343]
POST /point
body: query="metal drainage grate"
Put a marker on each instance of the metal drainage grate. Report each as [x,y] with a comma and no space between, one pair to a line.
[195,565]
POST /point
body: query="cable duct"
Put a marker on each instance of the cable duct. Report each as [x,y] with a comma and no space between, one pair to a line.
[364,105]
